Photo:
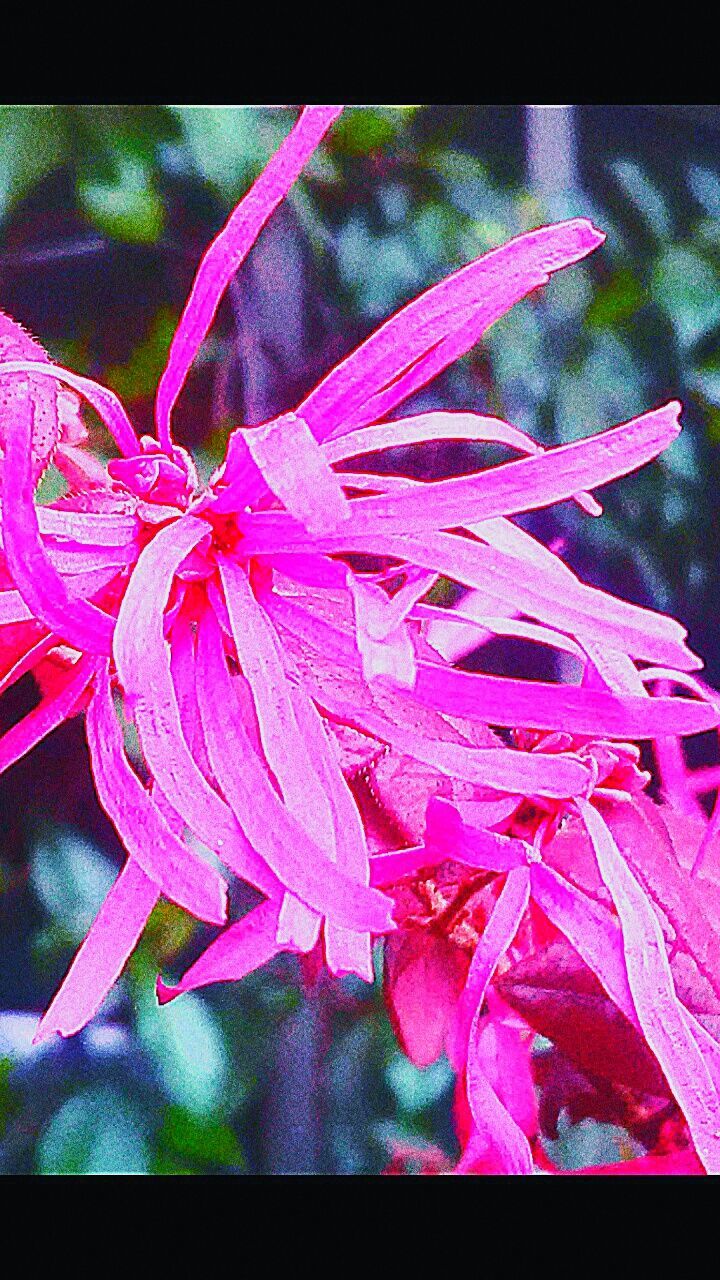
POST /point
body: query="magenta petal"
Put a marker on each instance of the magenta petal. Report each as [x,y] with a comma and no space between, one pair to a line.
[80,623]
[663,1019]
[54,709]
[590,928]
[142,656]
[541,587]
[346,950]
[532,703]
[103,955]
[181,875]
[101,399]
[245,946]
[298,927]
[428,426]
[498,1144]
[501,928]
[439,326]
[224,256]
[13,608]
[296,470]
[522,485]
[270,827]
[451,833]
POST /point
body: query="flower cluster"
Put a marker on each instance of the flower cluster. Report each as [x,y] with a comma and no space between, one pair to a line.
[283,697]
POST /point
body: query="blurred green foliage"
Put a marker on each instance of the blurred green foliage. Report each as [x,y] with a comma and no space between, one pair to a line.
[397,198]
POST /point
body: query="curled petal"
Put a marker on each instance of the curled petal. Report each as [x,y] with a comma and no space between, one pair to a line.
[101,399]
[663,1018]
[79,622]
[181,875]
[439,326]
[296,470]
[224,256]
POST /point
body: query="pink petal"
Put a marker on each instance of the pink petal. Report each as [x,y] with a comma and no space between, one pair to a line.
[181,875]
[520,486]
[224,256]
[531,588]
[52,712]
[103,955]
[143,661]
[449,626]
[298,927]
[497,936]
[662,1017]
[88,528]
[41,586]
[296,470]
[531,703]
[498,1144]
[13,608]
[346,950]
[439,326]
[245,946]
[101,399]
[269,826]
[428,426]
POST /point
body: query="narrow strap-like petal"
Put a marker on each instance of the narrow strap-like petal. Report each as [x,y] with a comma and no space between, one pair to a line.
[182,876]
[296,470]
[101,399]
[497,1144]
[402,432]
[346,950]
[79,622]
[537,705]
[244,947]
[142,656]
[497,936]
[530,587]
[450,832]
[50,714]
[439,326]
[662,1017]
[227,251]
[104,953]
[523,485]
[13,608]
[268,824]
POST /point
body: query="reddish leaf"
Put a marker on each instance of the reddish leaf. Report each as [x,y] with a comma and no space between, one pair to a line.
[424,975]
[560,997]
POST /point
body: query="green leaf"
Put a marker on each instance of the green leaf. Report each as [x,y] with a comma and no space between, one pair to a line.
[187,1046]
[97,1131]
[361,130]
[416,1090]
[71,877]
[33,142]
[687,286]
[129,207]
[204,1140]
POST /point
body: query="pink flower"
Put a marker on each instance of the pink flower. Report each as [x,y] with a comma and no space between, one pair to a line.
[235,636]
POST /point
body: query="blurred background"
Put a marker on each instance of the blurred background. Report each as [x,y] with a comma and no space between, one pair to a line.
[104,214]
